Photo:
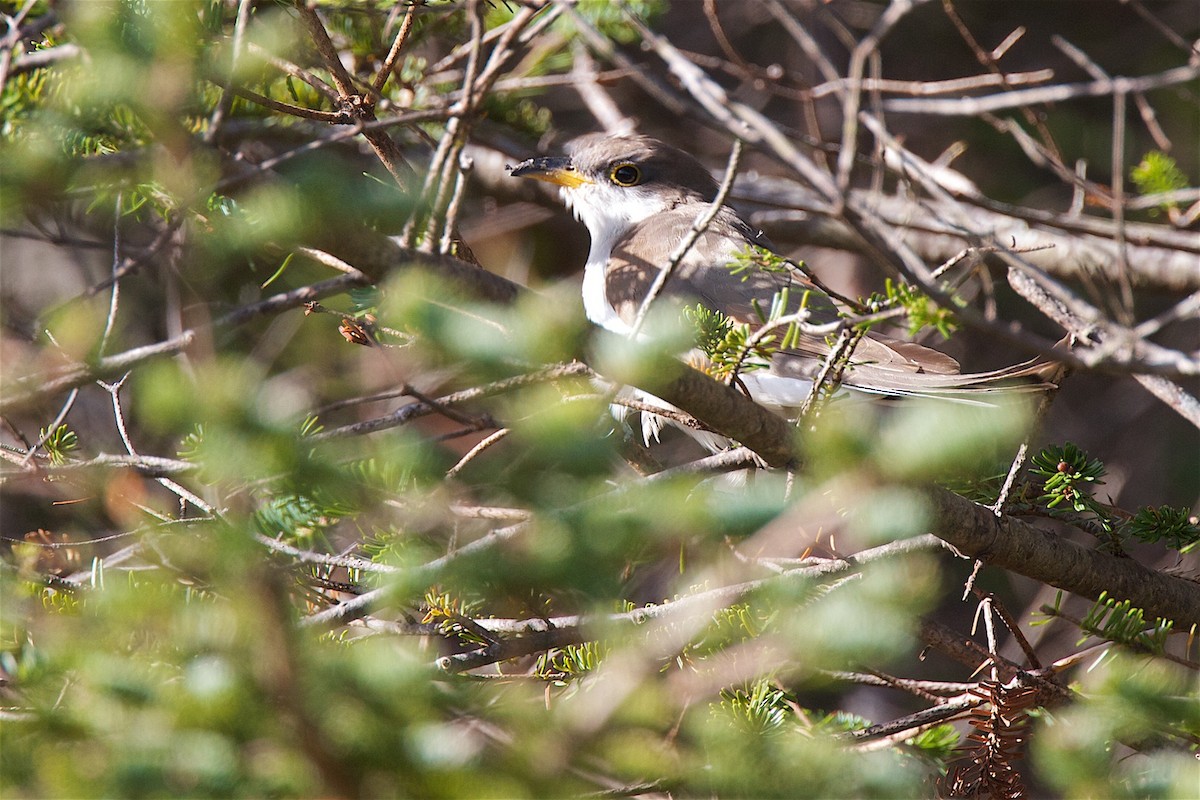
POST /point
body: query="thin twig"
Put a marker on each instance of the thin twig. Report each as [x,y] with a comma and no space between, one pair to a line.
[974,106]
[115,296]
[585,80]
[313,557]
[320,38]
[223,105]
[354,104]
[540,634]
[353,609]
[149,466]
[11,40]
[333,262]
[851,102]
[446,244]
[830,374]
[1168,33]
[1125,309]
[471,454]
[184,494]
[444,163]
[933,88]
[75,376]
[293,70]
[1014,628]
[908,726]
[411,411]
[50,430]
[332,117]
[389,63]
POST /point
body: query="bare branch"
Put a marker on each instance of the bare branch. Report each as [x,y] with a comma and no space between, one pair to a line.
[148,466]
[974,106]
[423,408]
[540,634]
[389,63]
[75,376]
[929,88]
[1014,545]
[353,103]
[927,231]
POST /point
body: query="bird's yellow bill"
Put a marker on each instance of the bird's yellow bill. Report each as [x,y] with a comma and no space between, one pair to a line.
[558,171]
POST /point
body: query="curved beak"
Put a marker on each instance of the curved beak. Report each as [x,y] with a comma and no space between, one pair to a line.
[557,170]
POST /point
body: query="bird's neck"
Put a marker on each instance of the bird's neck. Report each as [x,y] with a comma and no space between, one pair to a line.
[608,223]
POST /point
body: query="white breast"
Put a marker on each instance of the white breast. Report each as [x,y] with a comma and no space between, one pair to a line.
[595,297]
[609,213]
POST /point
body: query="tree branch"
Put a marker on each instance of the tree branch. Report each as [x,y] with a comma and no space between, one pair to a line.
[107,367]
[1015,545]
[974,106]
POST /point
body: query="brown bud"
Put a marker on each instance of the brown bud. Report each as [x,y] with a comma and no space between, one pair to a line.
[353,332]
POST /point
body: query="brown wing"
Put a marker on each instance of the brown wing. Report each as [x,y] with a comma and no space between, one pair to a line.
[704,276]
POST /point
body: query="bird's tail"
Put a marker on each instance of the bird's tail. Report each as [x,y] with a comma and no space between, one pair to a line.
[1035,375]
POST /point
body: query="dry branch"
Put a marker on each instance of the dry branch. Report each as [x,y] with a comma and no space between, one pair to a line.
[1011,544]
[1159,257]
[975,106]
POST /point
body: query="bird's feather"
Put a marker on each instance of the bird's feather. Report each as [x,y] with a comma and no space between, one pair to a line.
[705,275]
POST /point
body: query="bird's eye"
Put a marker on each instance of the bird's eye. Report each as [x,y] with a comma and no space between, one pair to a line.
[626,175]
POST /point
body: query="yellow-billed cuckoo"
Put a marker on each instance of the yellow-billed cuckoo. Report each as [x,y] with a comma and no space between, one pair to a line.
[640,197]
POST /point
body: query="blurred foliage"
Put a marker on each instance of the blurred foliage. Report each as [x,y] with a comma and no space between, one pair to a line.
[1157,174]
[156,638]
[1129,702]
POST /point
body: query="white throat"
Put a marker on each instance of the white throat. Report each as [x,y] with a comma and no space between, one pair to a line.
[609,212]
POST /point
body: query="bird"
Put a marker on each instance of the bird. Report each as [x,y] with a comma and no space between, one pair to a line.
[640,197]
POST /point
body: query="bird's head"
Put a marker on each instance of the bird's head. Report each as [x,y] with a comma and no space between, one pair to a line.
[612,183]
